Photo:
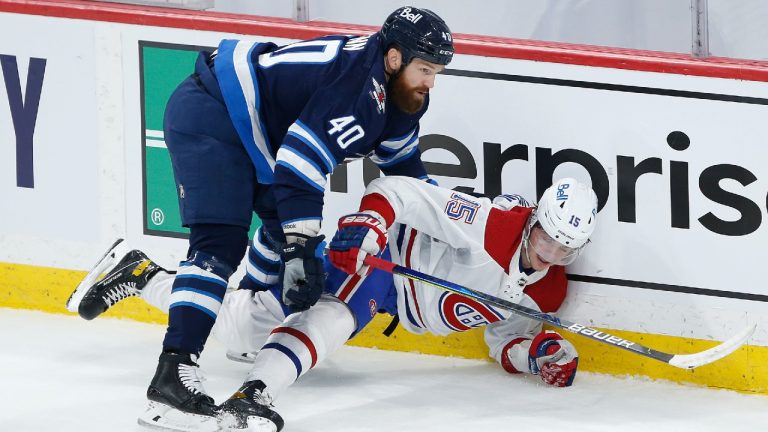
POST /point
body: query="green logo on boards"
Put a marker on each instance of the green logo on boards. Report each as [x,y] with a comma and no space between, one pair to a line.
[161,68]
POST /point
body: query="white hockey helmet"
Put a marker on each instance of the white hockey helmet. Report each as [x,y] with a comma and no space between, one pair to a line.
[567,212]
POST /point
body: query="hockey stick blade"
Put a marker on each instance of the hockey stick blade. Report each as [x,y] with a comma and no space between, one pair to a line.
[96,272]
[690,361]
[684,361]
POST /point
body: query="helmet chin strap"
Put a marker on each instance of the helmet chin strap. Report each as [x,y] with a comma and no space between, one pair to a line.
[526,240]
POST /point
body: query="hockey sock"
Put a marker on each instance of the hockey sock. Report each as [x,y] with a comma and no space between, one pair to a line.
[196,297]
[303,340]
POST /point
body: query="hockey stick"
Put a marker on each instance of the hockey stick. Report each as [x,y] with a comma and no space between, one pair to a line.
[110,256]
[684,361]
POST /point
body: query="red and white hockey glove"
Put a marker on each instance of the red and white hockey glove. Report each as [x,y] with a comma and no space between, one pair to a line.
[553,358]
[359,235]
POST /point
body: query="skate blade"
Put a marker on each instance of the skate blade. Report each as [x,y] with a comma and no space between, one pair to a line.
[248,358]
[161,417]
[113,254]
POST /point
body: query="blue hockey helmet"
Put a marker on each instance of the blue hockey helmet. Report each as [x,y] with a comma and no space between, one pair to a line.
[418,33]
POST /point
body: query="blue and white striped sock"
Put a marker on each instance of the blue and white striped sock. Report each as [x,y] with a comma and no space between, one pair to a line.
[196,297]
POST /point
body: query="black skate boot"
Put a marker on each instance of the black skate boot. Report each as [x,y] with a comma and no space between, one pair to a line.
[122,279]
[177,400]
[250,409]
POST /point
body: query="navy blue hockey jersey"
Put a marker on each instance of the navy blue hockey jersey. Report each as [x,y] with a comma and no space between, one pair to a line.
[304,108]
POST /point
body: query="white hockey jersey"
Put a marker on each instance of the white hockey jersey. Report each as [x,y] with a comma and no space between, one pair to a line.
[474,243]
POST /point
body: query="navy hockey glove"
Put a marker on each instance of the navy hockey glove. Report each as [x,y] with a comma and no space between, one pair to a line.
[553,358]
[302,275]
[359,235]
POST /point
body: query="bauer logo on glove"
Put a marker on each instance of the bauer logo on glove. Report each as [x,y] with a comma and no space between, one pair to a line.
[360,219]
[359,235]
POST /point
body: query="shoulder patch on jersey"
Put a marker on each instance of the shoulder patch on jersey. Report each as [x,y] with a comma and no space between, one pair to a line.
[379,95]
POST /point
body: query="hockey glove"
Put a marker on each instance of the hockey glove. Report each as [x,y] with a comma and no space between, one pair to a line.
[553,358]
[359,235]
[302,275]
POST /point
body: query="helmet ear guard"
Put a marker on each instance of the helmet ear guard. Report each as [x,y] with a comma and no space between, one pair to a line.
[418,33]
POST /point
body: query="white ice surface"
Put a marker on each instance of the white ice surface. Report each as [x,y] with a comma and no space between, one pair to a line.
[61,373]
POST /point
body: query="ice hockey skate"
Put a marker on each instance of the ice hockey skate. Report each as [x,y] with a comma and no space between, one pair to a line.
[177,400]
[249,410]
[119,274]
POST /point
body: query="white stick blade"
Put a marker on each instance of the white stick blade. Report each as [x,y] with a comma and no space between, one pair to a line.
[115,252]
[690,361]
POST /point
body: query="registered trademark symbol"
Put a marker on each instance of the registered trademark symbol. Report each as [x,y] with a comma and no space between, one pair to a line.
[158,216]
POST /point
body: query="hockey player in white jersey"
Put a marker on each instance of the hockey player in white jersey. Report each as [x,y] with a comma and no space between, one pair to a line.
[503,247]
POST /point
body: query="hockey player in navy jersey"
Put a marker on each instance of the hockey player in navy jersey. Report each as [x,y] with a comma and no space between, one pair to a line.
[258,128]
[503,247]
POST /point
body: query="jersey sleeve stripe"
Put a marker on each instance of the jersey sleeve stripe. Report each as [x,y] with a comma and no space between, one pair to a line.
[260,275]
[301,167]
[240,90]
[307,151]
[403,154]
[384,151]
[302,132]
[264,253]
[261,268]
[398,142]
[259,283]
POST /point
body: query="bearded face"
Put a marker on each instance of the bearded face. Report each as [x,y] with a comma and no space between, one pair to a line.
[408,95]
[409,85]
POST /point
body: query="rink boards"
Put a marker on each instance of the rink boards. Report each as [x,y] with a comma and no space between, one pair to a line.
[673,147]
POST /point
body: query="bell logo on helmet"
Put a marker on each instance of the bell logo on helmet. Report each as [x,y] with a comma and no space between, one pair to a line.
[418,33]
[406,13]
[561,193]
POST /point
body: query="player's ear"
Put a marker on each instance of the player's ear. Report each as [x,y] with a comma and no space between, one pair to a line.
[392,60]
